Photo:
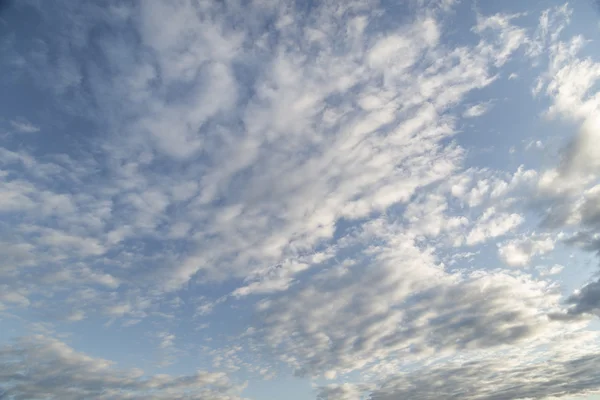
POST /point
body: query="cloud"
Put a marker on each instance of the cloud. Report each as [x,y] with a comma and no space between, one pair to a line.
[493,224]
[24,126]
[568,83]
[507,37]
[37,367]
[276,282]
[546,271]
[227,149]
[585,302]
[570,190]
[398,303]
[304,164]
[11,296]
[344,391]
[496,379]
[518,252]
[477,110]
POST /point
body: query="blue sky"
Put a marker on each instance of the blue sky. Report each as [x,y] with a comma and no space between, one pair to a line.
[268,199]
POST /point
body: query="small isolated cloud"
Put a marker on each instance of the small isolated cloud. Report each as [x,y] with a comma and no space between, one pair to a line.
[477,110]
[537,144]
[497,379]
[24,126]
[76,316]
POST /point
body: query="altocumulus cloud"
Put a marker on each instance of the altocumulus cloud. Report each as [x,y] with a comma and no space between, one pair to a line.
[239,192]
[42,367]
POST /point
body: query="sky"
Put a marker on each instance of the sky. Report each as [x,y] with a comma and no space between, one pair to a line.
[303,200]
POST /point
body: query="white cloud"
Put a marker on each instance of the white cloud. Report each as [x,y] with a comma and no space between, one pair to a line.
[477,110]
[477,194]
[10,296]
[16,255]
[353,171]
[568,83]
[518,252]
[56,239]
[427,216]
[166,340]
[492,224]
[205,309]
[77,315]
[553,270]
[507,37]
[243,182]
[24,126]
[535,143]
[480,187]
[279,279]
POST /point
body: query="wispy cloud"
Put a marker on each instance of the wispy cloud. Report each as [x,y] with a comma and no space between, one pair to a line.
[24,126]
[477,110]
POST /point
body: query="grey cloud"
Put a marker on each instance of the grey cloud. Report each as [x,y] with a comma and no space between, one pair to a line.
[344,391]
[586,213]
[496,380]
[399,306]
[37,368]
[586,301]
